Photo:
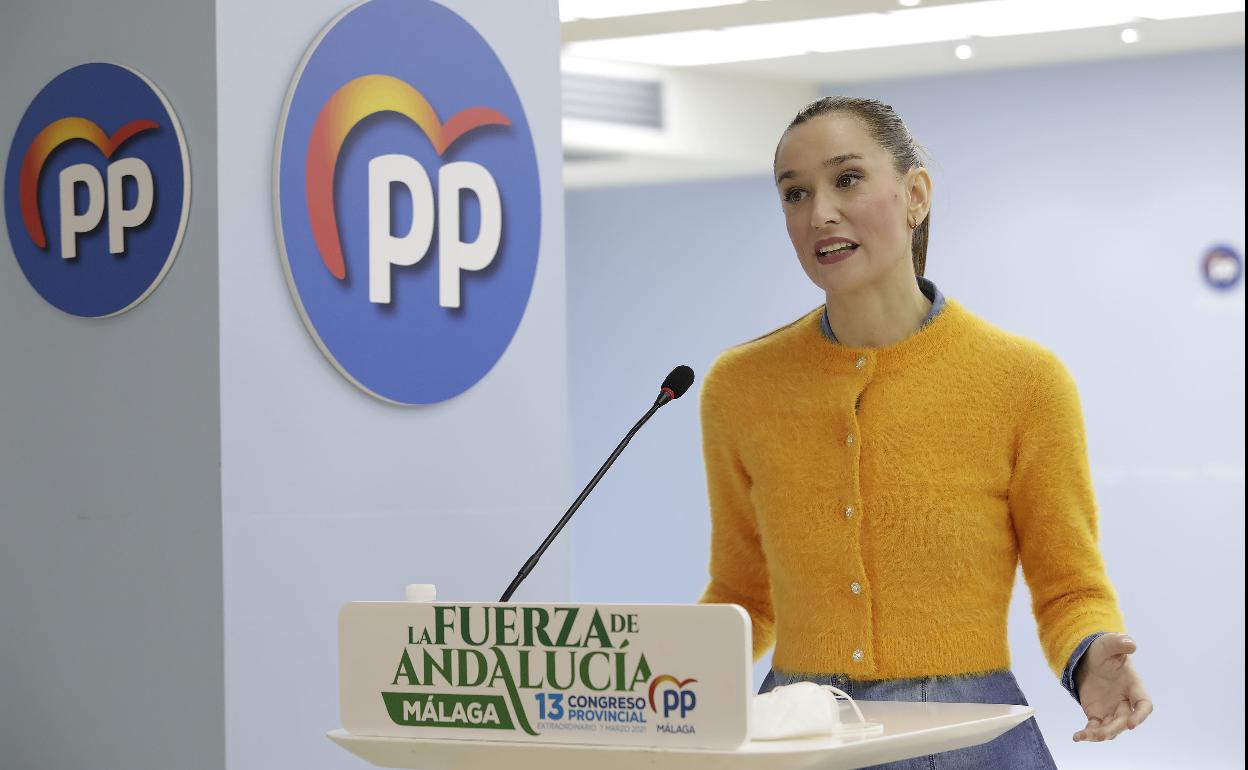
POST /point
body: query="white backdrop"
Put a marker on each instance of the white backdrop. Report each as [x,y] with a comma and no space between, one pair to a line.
[457,494]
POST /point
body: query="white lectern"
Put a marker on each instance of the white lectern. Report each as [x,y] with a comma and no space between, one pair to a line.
[434,686]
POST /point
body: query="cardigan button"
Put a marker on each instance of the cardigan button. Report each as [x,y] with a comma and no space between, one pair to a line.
[857,654]
[849,511]
[861,362]
[855,587]
[849,439]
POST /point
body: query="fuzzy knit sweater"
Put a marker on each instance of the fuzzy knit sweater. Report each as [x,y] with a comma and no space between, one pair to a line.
[869,506]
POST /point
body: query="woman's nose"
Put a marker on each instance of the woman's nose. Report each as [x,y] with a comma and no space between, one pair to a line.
[823,210]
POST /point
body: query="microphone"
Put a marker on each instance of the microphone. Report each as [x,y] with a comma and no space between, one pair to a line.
[672,388]
[675,385]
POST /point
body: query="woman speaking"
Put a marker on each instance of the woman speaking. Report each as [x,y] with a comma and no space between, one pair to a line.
[878,467]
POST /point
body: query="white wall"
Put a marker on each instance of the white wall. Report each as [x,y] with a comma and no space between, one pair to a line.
[330,495]
[1072,205]
[110,528]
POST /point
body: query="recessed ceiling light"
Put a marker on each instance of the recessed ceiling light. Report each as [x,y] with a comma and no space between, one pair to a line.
[1130,35]
[963,52]
[909,3]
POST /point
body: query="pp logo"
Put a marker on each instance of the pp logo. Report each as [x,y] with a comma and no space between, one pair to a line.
[1222,267]
[97,190]
[675,699]
[408,205]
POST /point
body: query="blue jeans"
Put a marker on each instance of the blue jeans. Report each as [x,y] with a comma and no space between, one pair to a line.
[1020,748]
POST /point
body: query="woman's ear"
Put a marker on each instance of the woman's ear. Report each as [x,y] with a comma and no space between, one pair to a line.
[919,192]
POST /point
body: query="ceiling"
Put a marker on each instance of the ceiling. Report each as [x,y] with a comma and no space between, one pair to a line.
[1155,37]
[608,154]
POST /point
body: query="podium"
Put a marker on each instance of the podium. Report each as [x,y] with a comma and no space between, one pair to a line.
[436,686]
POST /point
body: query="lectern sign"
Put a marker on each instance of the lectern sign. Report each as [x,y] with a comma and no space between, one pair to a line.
[657,675]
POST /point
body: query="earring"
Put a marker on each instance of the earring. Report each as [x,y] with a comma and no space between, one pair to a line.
[910,221]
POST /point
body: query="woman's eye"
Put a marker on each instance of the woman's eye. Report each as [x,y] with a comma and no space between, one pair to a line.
[840,182]
[794,195]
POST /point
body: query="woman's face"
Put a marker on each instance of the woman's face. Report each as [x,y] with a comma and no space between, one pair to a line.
[839,190]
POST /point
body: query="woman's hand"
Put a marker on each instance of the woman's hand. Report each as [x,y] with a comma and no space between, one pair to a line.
[1112,695]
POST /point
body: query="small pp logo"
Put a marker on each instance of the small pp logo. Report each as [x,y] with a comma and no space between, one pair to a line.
[97,190]
[408,205]
[1222,267]
[675,699]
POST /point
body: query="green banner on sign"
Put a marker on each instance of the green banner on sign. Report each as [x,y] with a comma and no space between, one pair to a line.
[419,709]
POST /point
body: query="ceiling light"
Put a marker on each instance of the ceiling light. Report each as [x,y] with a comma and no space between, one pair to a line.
[605,9]
[763,41]
[1130,35]
[1169,9]
[1002,18]
[909,3]
[963,52]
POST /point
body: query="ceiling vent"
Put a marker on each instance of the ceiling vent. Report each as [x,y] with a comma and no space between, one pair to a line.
[613,100]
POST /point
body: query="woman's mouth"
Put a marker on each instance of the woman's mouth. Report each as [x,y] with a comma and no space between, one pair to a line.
[832,253]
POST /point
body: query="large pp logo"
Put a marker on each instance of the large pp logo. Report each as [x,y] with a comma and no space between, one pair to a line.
[97,190]
[408,203]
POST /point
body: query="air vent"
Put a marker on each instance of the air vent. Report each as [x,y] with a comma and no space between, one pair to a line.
[582,156]
[613,100]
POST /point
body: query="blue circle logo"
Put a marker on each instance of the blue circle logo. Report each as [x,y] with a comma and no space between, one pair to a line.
[408,204]
[97,190]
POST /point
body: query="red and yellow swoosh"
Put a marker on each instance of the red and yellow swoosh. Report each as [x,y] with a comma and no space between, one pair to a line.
[54,135]
[658,680]
[368,95]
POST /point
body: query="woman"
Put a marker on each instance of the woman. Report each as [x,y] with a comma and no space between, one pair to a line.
[878,467]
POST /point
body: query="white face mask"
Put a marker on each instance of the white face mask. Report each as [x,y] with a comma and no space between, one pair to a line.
[805,709]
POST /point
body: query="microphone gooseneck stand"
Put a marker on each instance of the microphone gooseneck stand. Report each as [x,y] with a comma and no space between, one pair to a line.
[665,397]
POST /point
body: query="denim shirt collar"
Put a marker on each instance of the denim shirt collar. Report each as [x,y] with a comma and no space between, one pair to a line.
[927,287]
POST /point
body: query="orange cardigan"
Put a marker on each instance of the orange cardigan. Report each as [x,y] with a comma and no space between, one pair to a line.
[870,506]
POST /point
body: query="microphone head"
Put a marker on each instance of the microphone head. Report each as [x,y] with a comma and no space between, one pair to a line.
[678,381]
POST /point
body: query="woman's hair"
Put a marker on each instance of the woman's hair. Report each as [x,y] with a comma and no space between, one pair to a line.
[886,128]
